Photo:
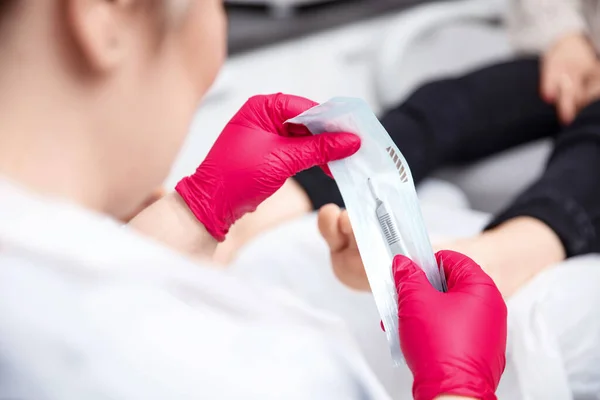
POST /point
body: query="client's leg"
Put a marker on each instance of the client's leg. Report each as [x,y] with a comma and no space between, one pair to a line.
[567,196]
[557,217]
[458,120]
[447,121]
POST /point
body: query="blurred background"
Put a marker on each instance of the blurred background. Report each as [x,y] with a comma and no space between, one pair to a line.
[378,50]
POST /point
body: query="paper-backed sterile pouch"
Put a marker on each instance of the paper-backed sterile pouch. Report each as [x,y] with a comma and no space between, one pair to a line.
[380,196]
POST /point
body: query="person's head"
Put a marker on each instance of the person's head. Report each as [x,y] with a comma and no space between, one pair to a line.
[114,82]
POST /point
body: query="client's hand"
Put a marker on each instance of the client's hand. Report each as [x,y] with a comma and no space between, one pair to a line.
[253,157]
[567,70]
[454,343]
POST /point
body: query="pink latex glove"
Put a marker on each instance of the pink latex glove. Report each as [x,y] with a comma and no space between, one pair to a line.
[253,157]
[455,342]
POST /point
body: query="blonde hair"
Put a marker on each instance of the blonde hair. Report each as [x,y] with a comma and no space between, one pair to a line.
[174,10]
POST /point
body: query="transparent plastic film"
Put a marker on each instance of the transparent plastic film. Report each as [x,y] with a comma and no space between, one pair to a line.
[380,196]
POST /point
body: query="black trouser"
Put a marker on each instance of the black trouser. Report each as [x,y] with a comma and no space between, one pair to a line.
[464,119]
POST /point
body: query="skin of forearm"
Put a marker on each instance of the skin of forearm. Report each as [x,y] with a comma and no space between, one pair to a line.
[170,221]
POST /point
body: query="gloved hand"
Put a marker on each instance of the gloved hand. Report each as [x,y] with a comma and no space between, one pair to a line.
[253,157]
[455,342]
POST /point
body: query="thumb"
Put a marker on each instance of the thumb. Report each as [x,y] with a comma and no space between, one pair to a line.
[408,277]
[309,151]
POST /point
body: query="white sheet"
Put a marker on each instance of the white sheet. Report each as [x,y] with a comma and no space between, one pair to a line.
[565,299]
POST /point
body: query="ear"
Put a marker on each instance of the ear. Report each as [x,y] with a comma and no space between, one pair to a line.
[99,29]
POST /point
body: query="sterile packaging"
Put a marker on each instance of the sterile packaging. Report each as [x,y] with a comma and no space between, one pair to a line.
[380,196]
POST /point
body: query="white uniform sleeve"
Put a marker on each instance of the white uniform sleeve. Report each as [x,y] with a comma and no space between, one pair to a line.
[535,25]
[66,335]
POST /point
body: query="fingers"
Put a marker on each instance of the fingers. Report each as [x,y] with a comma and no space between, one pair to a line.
[272,110]
[550,79]
[548,86]
[283,107]
[409,277]
[570,97]
[566,106]
[320,149]
[329,226]
[567,91]
[288,106]
[461,271]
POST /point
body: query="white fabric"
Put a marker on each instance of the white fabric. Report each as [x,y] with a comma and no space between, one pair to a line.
[535,25]
[91,310]
[554,322]
[554,332]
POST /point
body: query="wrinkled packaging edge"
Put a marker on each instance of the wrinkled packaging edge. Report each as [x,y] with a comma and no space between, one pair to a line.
[374,160]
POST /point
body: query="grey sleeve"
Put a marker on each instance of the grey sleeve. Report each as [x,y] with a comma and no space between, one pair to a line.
[534,25]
